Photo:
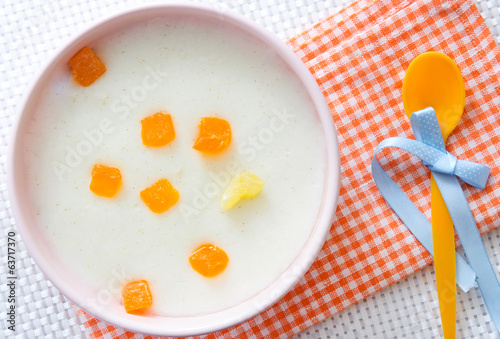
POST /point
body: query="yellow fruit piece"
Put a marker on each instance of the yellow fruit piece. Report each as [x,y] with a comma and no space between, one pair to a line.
[160,196]
[244,185]
[157,130]
[106,181]
[208,260]
[136,296]
[214,136]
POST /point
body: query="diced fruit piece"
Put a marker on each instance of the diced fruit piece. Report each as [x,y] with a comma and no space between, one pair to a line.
[86,67]
[106,181]
[160,196]
[157,130]
[214,137]
[243,185]
[136,296]
[208,260]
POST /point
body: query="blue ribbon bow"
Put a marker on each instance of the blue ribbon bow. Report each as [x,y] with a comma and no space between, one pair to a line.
[429,147]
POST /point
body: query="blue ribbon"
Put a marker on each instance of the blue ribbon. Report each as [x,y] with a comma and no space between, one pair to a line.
[429,147]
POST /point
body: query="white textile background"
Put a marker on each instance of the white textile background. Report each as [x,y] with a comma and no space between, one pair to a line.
[30,32]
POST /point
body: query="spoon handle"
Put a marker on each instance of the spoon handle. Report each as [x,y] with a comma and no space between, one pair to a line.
[443,238]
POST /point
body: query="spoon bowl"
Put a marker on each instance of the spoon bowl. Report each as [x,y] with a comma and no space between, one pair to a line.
[434,80]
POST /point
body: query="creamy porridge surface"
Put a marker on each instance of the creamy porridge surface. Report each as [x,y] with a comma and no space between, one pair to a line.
[189,70]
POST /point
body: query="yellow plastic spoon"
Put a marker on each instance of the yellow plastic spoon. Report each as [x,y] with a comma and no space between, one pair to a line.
[434,80]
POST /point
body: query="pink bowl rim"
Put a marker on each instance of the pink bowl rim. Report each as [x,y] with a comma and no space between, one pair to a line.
[196,325]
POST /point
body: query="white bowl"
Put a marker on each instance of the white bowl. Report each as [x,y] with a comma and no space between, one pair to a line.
[114,313]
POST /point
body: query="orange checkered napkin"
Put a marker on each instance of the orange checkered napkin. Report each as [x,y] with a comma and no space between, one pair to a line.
[359,57]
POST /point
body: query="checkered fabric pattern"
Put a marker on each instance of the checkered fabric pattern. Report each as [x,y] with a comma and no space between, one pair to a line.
[359,57]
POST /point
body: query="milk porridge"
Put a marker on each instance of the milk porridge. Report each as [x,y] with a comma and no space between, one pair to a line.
[189,70]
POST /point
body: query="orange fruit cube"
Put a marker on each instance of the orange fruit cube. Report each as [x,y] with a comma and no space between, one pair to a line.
[160,196]
[136,296]
[86,67]
[106,181]
[208,260]
[157,130]
[214,136]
